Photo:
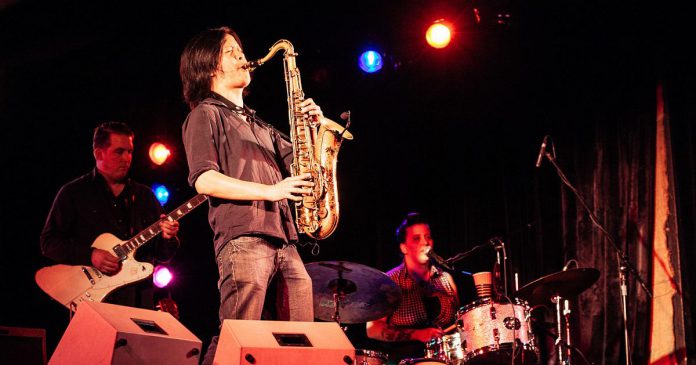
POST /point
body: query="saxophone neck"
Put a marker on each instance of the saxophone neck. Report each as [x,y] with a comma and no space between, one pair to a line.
[289,51]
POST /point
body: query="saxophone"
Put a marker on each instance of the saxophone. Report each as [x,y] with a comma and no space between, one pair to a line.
[315,143]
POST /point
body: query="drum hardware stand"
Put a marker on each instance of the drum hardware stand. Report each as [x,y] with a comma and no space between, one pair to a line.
[561,322]
[340,287]
[625,265]
[566,318]
[499,246]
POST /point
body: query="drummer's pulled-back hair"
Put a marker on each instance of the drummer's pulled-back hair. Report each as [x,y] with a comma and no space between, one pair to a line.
[411,219]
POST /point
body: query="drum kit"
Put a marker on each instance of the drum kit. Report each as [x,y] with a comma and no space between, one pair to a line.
[490,330]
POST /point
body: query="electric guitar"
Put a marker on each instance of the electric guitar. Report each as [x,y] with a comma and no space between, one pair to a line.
[71,285]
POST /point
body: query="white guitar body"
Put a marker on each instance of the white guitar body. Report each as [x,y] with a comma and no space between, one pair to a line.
[70,285]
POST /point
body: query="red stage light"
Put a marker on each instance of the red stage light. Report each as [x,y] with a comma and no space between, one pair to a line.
[159,153]
[439,34]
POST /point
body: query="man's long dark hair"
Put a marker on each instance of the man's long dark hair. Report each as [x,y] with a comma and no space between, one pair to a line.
[199,61]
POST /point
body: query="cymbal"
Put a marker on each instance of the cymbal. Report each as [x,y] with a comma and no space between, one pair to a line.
[566,284]
[367,293]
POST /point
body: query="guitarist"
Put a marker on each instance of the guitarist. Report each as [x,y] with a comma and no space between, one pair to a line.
[107,200]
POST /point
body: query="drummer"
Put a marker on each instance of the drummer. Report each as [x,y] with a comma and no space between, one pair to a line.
[429,296]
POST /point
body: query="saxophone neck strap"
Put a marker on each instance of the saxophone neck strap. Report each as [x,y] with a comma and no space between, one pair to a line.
[248,112]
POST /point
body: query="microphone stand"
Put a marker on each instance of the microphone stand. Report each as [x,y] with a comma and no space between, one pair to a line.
[460,256]
[499,246]
[625,265]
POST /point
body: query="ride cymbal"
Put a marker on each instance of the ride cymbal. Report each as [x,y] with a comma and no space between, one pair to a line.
[566,284]
[366,294]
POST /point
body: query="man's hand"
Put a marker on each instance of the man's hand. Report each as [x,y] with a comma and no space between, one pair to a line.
[169,228]
[105,262]
[426,334]
[293,188]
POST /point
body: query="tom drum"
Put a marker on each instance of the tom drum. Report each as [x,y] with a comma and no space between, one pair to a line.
[494,333]
[447,348]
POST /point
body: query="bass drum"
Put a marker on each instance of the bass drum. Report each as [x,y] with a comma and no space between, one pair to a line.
[421,361]
[369,357]
[493,333]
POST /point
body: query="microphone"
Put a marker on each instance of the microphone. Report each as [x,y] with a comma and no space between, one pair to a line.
[496,242]
[437,259]
[541,151]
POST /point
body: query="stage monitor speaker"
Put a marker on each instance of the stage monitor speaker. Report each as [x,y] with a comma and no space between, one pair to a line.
[22,345]
[102,333]
[244,342]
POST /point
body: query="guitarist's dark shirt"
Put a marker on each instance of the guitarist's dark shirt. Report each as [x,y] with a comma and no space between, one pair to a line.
[85,207]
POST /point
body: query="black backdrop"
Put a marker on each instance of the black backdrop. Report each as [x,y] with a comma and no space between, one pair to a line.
[451,133]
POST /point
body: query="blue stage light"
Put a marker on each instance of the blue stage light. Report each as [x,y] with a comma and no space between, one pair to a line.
[370,61]
[161,192]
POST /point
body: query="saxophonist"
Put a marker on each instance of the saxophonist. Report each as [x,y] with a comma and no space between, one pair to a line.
[242,164]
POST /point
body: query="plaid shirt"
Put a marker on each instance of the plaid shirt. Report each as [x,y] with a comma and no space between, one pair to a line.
[412,311]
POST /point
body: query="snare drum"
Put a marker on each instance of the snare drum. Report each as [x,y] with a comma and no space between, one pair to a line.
[369,357]
[490,330]
[447,348]
[422,361]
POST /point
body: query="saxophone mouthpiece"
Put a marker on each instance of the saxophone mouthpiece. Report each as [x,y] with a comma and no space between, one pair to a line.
[251,65]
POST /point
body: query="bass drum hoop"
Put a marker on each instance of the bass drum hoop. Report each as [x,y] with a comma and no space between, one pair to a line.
[488,301]
[421,360]
[507,346]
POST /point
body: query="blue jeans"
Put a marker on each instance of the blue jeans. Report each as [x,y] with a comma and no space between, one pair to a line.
[247,264]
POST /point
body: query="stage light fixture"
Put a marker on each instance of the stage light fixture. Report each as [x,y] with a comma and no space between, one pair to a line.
[159,153]
[370,61]
[439,34]
[161,193]
[162,276]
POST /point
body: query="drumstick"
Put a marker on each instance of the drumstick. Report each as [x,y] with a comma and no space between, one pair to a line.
[450,328]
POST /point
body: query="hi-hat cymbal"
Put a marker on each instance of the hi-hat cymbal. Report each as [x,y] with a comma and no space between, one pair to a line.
[565,284]
[367,293]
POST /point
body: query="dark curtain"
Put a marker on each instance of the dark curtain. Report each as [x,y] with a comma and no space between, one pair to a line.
[618,188]
[612,169]
[614,175]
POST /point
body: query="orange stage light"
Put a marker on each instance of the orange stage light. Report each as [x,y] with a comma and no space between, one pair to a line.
[159,153]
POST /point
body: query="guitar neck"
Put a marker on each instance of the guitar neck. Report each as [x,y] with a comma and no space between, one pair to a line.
[154,229]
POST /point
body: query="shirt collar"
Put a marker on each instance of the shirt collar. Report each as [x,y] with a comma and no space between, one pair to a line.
[434,271]
[97,178]
[217,99]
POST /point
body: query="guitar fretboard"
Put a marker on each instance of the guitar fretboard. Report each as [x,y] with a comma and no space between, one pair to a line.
[154,229]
